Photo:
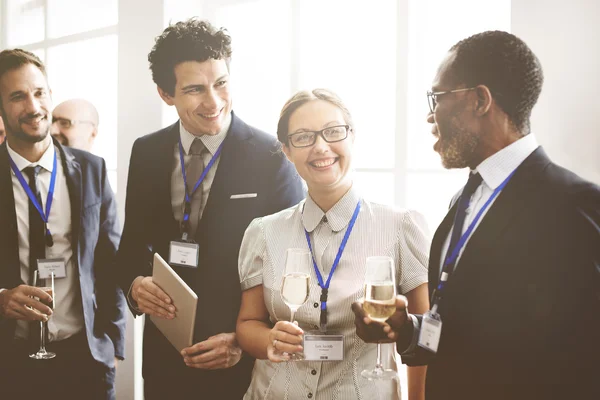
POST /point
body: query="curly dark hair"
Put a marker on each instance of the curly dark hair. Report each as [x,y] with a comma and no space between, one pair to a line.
[190,40]
[507,66]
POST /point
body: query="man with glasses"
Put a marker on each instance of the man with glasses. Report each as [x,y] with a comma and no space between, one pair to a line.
[75,124]
[193,189]
[514,272]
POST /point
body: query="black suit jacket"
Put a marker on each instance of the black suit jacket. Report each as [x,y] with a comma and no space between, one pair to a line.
[250,163]
[95,238]
[521,313]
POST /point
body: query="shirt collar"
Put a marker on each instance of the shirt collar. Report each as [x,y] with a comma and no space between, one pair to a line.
[495,169]
[338,216]
[46,161]
[211,142]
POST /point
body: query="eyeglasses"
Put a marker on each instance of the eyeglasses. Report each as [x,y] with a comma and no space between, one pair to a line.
[330,134]
[432,96]
[67,123]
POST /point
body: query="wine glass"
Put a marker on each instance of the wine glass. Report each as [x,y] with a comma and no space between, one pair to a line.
[380,304]
[295,285]
[42,354]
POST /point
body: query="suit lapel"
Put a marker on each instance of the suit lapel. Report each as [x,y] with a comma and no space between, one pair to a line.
[164,172]
[226,178]
[9,262]
[72,170]
[509,204]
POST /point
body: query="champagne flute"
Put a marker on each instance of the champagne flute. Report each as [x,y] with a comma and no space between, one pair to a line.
[380,304]
[42,354]
[295,285]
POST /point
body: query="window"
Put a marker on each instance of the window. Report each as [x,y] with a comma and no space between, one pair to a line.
[77,40]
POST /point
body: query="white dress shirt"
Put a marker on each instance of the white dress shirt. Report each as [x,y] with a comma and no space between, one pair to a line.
[379,231]
[212,143]
[67,318]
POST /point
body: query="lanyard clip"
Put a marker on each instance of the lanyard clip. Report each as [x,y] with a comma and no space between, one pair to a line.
[324,292]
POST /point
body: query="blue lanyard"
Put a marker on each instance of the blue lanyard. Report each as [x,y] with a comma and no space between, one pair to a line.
[325,285]
[33,197]
[451,256]
[188,195]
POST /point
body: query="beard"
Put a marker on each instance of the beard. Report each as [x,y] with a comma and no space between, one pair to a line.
[457,146]
[20,134]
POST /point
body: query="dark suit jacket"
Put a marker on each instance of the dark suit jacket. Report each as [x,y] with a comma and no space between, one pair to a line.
[521,313]
[95,238]
[250,163]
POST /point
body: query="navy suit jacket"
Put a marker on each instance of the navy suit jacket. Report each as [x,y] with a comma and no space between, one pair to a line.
[250,162]
[521,313]
[95,238]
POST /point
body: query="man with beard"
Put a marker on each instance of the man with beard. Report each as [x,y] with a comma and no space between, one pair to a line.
[514,272]
[57,216]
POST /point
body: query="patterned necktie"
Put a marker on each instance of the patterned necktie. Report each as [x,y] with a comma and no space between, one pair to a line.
[194,171]
[461,212]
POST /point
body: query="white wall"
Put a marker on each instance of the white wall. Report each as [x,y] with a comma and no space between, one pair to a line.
[565,35]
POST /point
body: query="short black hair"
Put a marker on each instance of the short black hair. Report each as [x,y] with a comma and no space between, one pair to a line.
[190,40]
[507,66]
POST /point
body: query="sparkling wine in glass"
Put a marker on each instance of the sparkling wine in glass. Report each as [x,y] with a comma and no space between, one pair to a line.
[380,304]
[47,287]
[296,282]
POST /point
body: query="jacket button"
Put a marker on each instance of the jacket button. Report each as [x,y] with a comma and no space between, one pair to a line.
[316,305]
[310,396]
[314,372]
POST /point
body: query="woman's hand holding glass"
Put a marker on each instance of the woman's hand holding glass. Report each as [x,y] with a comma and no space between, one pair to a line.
[285,339]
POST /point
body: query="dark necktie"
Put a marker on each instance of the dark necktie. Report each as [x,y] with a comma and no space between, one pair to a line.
[37,231]
[193,172]
[37,243]
[461,212]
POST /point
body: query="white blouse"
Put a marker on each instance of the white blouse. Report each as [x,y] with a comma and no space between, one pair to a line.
[379,231]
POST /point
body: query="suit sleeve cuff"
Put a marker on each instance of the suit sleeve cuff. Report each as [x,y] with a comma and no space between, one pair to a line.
[416,329]
[132,303]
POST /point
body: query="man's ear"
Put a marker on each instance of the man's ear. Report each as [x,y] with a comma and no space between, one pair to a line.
[167,98]
[484,100]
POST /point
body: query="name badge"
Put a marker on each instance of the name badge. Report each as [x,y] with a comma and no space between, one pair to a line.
[47,266]
[323,347]
[183,254]
[431,330]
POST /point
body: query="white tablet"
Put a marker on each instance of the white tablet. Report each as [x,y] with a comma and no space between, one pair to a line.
[179,330]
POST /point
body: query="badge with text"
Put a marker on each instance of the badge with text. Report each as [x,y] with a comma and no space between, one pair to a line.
[319,347]
[431,330]
[183,254]
[47,266]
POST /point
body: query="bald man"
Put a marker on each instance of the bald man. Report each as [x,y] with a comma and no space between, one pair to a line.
[2,134]
[75,123]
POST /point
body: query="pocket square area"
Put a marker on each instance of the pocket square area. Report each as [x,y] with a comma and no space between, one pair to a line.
[243,196]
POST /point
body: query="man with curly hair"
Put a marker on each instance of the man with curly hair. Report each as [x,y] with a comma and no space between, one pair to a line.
[193,188]
[514,269]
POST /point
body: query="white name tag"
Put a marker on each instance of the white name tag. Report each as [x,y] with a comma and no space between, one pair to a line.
[323,347]
[431,330]
[183,254]
[47,266]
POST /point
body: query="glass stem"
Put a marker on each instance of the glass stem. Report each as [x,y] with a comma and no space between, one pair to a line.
[293,312]
[42,336]
[379,366]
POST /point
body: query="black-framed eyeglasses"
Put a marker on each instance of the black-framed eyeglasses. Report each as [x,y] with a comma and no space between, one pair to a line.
[331,134]
[432,96]
[67,123]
